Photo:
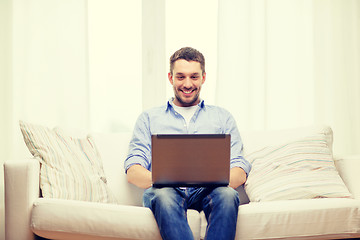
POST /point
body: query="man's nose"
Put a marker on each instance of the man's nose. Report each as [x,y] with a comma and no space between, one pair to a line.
[187,82]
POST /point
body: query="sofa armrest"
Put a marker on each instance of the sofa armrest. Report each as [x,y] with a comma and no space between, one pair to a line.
[21,190]
[349,169]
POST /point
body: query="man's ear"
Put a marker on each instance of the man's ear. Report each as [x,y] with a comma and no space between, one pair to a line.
[203,77]
[170,77]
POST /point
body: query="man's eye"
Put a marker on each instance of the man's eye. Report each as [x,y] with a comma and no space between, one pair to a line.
[195,77]
[180,77]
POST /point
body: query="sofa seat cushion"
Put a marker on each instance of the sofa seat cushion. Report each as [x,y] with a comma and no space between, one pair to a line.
[326,218]
[70,219]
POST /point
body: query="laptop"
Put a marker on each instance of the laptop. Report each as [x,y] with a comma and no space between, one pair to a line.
[190,160]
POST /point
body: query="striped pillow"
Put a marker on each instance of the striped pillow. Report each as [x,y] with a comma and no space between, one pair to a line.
[71,168]
[299,169]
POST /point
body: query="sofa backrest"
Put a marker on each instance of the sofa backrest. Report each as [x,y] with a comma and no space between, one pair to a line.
[254,140]
[113,148]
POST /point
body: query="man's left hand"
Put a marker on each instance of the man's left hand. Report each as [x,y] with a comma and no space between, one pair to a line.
[237,177]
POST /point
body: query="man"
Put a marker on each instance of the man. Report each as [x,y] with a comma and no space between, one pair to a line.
[187,113]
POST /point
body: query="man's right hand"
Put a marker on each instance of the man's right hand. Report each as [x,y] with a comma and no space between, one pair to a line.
[139,176]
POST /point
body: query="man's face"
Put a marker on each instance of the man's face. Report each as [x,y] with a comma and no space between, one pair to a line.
[187,79]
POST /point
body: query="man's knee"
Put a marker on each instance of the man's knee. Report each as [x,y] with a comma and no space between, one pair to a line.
[226,195]
[166,197]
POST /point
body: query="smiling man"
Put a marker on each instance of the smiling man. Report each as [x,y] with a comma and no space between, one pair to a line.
[187,77]
[186,113]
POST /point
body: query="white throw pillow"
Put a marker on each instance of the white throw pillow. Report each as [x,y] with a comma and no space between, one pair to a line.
[298,169]
[71,168]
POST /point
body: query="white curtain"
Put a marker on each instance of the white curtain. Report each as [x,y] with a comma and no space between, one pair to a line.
[74,64]
[292,63]
[49,68]
[337,70]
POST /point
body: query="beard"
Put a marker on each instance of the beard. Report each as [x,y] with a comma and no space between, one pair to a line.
[187,102]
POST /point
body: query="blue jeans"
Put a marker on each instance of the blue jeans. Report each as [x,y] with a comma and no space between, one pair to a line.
[169,206]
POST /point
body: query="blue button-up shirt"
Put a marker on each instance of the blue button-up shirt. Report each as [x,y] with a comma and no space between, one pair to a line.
[207,119]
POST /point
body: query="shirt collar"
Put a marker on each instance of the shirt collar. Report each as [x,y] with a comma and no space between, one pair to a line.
[170,103]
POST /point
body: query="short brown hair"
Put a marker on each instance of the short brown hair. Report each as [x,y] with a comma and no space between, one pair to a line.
[188,54]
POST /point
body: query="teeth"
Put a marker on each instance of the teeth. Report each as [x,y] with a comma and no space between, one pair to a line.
[187,91]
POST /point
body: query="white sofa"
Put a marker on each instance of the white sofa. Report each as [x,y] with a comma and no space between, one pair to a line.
[27,213]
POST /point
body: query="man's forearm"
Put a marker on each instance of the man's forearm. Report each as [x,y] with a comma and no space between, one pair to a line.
[237,177]
[139,176]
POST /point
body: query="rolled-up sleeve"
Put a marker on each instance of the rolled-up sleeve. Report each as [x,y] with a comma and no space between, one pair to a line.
[140,144]
[237,156]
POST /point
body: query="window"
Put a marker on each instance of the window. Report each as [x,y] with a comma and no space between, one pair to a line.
[115,64]
[194,24]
